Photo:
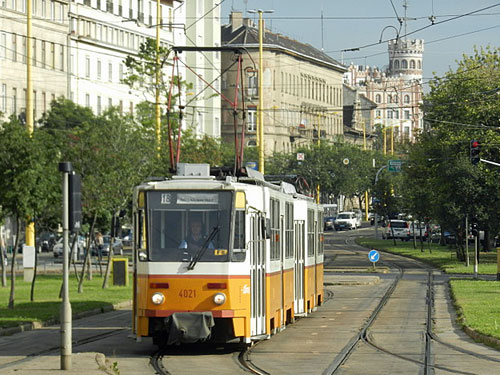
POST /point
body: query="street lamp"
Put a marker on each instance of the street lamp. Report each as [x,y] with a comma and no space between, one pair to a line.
[260,117]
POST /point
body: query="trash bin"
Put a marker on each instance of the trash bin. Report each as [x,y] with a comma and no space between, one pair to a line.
[120,271]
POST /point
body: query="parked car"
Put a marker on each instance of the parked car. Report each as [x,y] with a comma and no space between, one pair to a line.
[346,220]
[329,223]
[397,229]
[103,250]
[57,249]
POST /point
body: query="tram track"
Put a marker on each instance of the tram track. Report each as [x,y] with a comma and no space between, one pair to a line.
[427,364]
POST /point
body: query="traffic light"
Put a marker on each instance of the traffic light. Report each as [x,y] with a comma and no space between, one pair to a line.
[75,202]
[474,227]
[474,152]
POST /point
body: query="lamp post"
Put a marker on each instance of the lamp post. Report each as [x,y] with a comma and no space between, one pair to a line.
[260,113]
[30,225]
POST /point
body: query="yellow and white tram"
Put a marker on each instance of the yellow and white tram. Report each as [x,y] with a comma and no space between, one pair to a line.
[258,266]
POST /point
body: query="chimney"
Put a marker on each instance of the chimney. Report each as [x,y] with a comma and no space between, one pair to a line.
[236,20]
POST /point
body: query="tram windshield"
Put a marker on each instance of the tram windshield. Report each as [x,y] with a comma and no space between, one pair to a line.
[188,225]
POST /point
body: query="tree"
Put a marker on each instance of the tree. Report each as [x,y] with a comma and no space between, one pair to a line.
[461,106]
[28,178]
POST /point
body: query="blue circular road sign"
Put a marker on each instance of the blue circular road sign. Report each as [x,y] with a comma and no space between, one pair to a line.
[373,256]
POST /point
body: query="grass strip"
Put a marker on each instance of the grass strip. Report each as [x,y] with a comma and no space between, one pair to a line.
[47,304]
[442,257]
[478,303]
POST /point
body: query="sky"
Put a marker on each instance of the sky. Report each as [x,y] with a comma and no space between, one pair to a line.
[457,27]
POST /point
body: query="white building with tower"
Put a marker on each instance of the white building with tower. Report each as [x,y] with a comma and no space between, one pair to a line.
[397,91]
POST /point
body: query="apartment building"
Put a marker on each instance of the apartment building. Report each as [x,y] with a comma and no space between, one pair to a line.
[79,48]
[302,88]
[203,101]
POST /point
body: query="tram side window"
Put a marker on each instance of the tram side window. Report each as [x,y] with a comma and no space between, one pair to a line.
[275,230]
[321,242]
[239,243]
[310,233]
[289,230]
[140,235]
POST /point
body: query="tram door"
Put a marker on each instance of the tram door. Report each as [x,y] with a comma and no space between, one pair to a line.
[257,277]
[299,267]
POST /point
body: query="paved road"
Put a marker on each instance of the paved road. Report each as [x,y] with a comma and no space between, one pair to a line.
[395,344]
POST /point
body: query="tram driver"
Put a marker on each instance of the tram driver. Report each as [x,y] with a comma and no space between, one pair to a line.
[195,239]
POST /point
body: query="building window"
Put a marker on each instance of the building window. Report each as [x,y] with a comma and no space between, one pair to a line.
[110,102]
[378,113]
[110,72]
[14,47]
[99,105]
[87,100]
[3,99]
[120,72]
[378,98]
[61,57]
[389,99]
[52,55]
[52,10]
[412,64]
[396,64]
[389,113]
[407,114]
[87,66]
[99,69]
[3,45]
[252,120]
[14,100]
[252,85]
[396,100]
[407,99]
[419,64]
[34,104]
[404,64]
[33,52]
[24,49]
[396,114]
[44,54]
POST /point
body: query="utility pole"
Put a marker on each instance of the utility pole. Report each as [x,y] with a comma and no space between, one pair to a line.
[66,319]
[30,225]
[260,117]
[157,80]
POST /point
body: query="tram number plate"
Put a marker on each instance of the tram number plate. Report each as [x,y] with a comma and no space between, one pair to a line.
[187,293]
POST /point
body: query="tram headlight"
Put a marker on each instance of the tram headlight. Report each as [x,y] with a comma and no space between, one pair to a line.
[158,298]
[219,298]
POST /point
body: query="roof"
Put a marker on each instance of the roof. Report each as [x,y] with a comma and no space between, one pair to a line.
[248,36]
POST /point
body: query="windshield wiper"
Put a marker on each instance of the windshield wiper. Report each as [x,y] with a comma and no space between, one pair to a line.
[202,249]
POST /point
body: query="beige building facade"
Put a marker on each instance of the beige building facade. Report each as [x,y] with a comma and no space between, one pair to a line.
[302,89]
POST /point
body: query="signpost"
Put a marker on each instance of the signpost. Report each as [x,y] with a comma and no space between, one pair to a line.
[394,165]
[373,256]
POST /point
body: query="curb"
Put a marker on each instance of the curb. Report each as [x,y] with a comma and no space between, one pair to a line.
[479,337]
[37,325]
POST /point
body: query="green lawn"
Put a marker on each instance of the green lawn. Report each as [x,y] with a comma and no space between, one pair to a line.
[441,257]
[478,302]
[47,303]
